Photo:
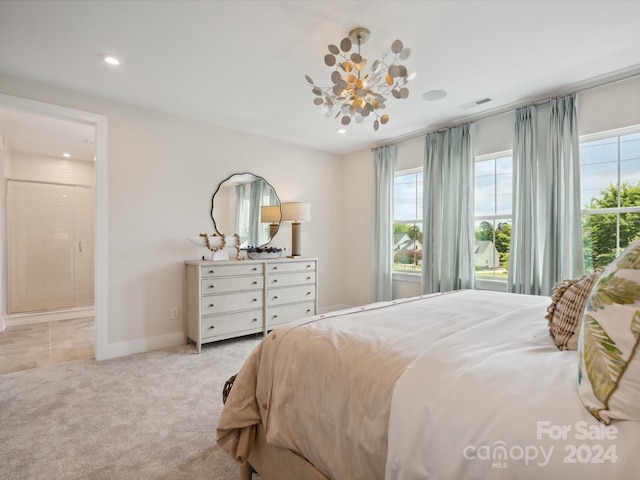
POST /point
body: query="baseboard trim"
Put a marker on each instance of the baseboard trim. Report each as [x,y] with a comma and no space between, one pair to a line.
[122,349]
[44,317]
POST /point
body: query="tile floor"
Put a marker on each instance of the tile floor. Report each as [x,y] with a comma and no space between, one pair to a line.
[30,346]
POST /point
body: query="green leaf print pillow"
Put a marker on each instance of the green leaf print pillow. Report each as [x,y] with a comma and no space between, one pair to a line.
[609,361]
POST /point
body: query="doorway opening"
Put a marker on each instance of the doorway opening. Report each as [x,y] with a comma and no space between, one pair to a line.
[50,158]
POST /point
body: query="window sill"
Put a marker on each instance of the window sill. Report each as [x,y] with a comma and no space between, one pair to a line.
[407,277]
[494,285]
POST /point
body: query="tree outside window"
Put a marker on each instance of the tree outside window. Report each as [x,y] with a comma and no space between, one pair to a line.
[610,184]
[493,199]
[407,223]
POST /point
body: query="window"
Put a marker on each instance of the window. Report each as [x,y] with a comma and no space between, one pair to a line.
[492,196]
[407,222]
[610,194]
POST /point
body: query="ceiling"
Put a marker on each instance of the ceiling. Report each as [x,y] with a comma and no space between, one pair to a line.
[47,136]
[242,64]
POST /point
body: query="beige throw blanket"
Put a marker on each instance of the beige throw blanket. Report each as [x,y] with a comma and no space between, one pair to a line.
[322,387]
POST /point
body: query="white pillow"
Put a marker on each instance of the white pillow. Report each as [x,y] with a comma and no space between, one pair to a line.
[609,368]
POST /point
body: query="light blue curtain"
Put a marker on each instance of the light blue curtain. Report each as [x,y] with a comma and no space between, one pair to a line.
[240,209]
[562,256]
[384,165]
[447,255]
[270,198]
[256,193]
[524,268]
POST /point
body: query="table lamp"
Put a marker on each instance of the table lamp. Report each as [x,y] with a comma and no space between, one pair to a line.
[296,212]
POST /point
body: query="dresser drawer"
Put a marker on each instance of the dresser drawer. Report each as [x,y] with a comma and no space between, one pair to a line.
[244,322]
[229,270]
[228,302]
[291,266]
[231,284]
[279,296]
[288,313]
[286,279]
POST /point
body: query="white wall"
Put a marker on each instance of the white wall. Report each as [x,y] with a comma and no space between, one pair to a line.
[3,158]
[356,227]
[609,107]
[162,171]
[599,109]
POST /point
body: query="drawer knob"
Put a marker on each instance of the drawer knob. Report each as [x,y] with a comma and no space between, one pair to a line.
[254,269]
[275,268]
[275,281]
[210,286]
[308,293]
[254,283]
[308,310]
[254,300]
[211,305]
[308,266]
[308,278]
[211,271]
[275,298]
[254,320]
[212,327]
[275,316]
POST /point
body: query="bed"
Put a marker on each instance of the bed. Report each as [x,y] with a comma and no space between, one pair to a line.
[459,385]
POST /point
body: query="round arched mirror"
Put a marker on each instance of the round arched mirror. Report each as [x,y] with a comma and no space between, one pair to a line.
[240,205]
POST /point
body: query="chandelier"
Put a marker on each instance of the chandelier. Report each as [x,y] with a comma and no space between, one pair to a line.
[355,93]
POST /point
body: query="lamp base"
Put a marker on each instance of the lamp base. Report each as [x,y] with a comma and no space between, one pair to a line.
[295,239]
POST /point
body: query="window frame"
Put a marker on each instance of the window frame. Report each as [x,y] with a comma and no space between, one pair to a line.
[492,283]
[609,134]
[401,274]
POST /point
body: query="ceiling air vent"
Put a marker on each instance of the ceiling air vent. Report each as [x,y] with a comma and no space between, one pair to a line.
[475,103]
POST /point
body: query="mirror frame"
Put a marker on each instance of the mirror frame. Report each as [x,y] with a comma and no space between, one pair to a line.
[258,177]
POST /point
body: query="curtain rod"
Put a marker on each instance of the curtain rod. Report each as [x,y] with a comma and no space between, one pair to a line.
[592,84]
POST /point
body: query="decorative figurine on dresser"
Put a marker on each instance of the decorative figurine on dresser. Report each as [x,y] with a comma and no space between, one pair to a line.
[228,298]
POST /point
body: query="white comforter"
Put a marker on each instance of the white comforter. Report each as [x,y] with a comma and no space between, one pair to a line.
[497,400]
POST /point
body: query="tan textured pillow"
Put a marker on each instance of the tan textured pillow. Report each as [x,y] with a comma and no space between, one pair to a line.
[567,309]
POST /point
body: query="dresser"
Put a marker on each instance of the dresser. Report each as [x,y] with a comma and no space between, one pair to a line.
[226,299]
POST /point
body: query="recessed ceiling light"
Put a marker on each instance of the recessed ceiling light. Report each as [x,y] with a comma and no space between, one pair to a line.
[434,95]
[110,59]
[341,131]
[66,155]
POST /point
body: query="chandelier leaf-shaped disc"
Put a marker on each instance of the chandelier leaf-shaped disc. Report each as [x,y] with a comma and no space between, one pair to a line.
[329,60]
[358,91]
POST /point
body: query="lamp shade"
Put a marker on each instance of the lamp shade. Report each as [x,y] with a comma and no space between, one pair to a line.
[270,214]
[296,212]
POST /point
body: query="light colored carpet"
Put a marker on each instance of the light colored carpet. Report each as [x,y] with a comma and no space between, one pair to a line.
[147,416]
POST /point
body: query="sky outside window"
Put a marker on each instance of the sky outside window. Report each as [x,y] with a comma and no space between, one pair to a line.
[599,164]
[408,197]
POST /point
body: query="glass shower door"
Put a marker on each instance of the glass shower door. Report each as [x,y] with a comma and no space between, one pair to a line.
[40,247]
